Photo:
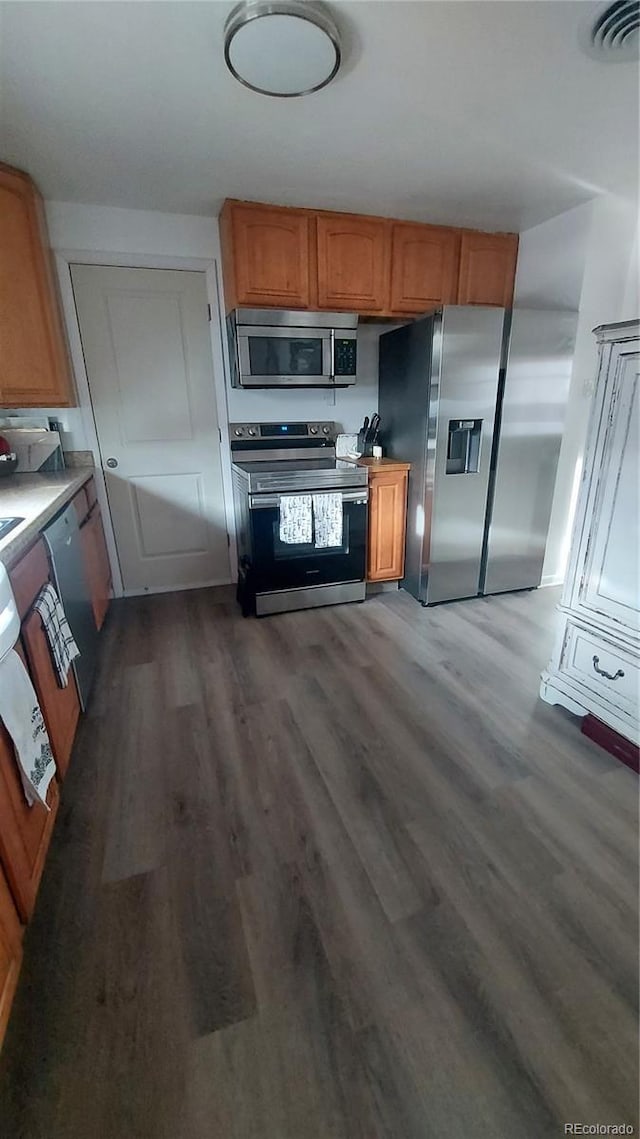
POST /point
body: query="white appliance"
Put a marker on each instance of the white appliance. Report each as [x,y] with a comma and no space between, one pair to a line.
[595,667]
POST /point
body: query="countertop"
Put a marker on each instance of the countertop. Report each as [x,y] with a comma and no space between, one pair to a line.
[378,464]
[36,498]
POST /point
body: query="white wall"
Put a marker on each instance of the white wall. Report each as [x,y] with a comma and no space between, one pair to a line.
[599,242]
[551,259]
[110,229]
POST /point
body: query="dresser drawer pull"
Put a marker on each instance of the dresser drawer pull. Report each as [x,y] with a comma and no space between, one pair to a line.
[603,672]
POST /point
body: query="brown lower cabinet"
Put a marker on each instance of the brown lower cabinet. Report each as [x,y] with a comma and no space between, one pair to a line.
[388,482]
[96,560]
[10,951]
[60,706]
[25,831]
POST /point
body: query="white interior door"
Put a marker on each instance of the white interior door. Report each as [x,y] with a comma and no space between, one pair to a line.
[145,337]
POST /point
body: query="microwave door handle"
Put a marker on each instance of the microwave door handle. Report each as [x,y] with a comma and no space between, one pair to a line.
[329,365]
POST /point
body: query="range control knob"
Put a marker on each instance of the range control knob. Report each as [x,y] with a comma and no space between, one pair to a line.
[313,430]
[325,430]
[238,431]
[251,431]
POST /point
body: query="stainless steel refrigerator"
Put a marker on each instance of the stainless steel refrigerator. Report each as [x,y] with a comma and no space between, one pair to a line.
[475,399]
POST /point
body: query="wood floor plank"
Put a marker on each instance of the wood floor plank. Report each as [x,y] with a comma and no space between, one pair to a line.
[337,874]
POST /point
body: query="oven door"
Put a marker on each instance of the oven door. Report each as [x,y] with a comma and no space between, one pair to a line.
[285,357]
[280,565]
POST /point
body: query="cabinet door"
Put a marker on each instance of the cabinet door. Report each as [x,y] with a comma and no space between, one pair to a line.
[10,952]
[60,706]
[353,262]
[424,267]
[607,573]
[265,256]
[24,831]
[28,576]
[97,564]
[35,365]
[387,525]
[487,268]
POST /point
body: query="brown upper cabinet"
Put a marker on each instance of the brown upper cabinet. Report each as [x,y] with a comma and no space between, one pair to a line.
[276,257]
[424,267]
[353,262]
[487,268]
[265,255]
[34,362]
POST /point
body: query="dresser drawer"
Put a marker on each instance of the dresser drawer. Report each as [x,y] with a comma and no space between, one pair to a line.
[601,666]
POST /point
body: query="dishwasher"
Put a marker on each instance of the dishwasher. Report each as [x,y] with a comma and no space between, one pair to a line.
[63,538]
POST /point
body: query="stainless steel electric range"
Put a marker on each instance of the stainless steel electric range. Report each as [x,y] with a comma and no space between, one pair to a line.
[275,459]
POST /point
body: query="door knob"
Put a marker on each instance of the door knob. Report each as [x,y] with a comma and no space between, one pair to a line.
[112,463]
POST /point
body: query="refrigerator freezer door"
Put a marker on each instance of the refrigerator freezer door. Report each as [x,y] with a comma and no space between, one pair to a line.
[468,347]
[533,412]
[403,400]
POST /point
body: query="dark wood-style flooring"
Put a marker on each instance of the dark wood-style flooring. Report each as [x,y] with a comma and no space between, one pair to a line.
[330,875]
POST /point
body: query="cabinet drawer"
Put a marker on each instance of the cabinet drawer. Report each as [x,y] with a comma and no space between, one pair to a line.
[601,666]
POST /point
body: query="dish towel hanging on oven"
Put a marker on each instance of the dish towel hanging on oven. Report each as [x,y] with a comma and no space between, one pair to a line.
[296,519]
[21,715]
[327,516]
[61,643]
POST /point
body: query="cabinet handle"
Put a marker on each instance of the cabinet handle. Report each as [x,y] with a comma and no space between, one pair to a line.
[88,517]
[603,671]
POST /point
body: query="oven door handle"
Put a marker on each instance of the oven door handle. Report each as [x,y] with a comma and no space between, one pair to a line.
[268,501]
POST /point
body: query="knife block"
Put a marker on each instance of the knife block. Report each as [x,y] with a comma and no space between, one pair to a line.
[365,448]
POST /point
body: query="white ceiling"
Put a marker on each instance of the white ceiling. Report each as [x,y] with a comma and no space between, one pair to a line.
[481,113]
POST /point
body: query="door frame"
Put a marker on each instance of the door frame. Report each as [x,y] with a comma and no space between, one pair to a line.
[64,259]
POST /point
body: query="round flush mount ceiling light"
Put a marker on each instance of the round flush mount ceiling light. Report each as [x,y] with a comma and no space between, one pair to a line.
[283,48]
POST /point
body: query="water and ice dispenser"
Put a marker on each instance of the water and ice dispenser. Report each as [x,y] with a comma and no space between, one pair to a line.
[463,446]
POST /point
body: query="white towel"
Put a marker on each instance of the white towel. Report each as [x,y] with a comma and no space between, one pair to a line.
[296,519]
[63,647]
[21,715]
[327,514]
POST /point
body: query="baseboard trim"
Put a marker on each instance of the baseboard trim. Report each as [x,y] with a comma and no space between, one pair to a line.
[175,588]
[552,579]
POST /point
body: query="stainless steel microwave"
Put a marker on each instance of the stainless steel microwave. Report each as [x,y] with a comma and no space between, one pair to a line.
[273,348]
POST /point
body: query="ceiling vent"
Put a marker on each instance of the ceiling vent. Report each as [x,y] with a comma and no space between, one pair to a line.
[614,35]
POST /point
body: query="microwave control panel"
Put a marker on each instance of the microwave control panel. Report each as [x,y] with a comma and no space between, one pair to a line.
[345,356]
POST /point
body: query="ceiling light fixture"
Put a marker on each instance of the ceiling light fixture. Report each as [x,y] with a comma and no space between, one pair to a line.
[283,48]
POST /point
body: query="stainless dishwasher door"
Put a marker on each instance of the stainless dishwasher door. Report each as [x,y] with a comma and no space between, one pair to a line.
[63,539]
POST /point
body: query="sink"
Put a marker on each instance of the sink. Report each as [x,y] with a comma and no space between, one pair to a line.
[7,524]
[9,619]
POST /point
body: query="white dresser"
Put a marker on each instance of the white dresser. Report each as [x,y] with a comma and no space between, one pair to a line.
[595,665]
